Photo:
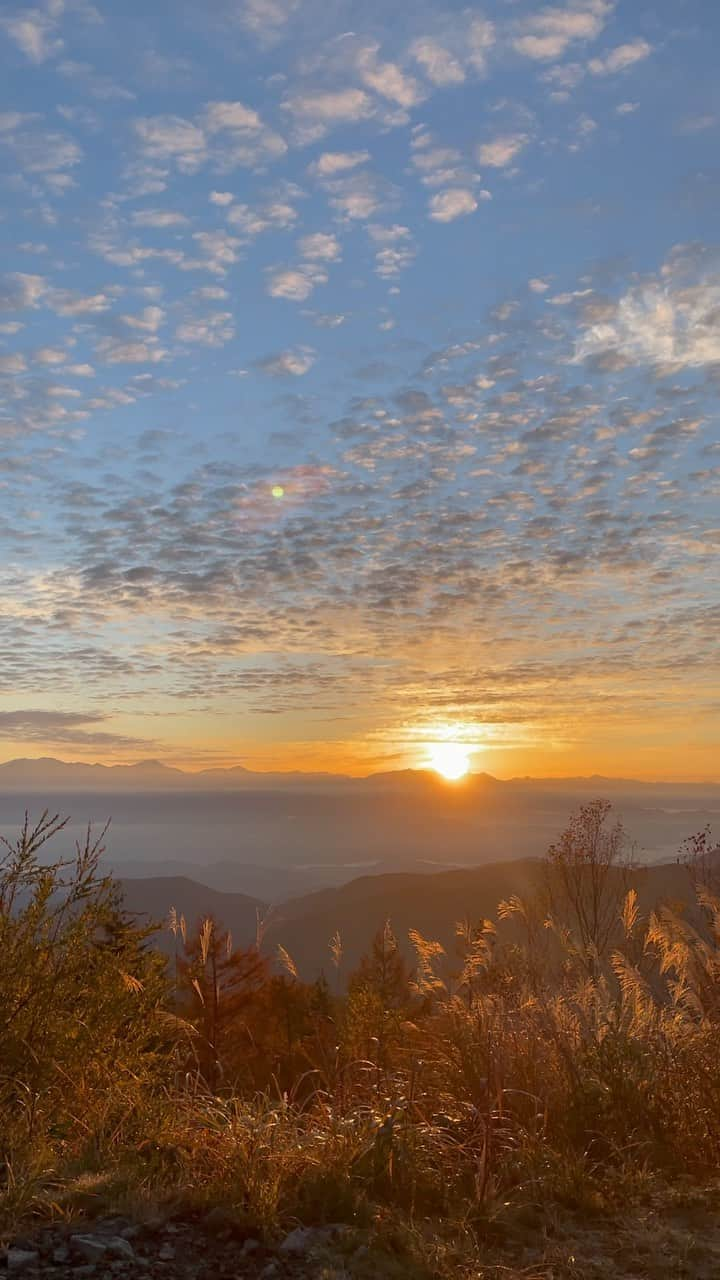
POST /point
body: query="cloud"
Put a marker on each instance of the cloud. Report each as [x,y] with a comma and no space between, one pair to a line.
[544,36]
[12,120]
[12,364]
[325,320]
[396,249]
[357,195]
[251,222]
[158,218]
[332,162]
[265,18]
[620,58]
[231,115]
[691,124]
[438,64]
[438,166]
[61,392]
[34,32]
[666,323]
[295,283]
[479,40]
[328,107]
[387,78]
[219,250]
[455,203]
[172,139]
[149,320]
[19,291]
[562,79]
[501,151]
[584,128]
[67,303]
[50,355]
[44,153]
[98,86]
[293,363]
[118,351]
[464,47]
[212,330]
[226,133]
[66,727]
[320,247]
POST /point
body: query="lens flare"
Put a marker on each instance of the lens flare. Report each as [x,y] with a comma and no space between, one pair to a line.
[278,491]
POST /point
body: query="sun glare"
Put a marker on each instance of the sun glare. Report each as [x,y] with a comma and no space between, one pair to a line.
[450,760]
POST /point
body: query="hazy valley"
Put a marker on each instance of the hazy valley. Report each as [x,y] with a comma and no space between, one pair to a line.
[275,837]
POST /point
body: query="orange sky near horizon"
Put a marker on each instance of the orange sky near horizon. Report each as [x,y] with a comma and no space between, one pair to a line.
[681,761]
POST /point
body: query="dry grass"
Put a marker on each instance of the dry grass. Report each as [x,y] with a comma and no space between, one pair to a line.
[512,1112]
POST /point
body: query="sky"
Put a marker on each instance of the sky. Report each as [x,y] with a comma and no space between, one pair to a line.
[358,384]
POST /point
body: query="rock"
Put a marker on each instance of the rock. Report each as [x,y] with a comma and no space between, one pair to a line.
[166,1253]
[90,1248]
[302,1239]
[60,1255]
[21,1259]
[85,1269]
[111,1225]
[250,1246]
[120,1247]
[220,1220]
[93,1248]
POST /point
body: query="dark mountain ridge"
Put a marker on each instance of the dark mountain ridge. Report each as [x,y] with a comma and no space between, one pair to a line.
[46,772]
[152,898]
[429,903]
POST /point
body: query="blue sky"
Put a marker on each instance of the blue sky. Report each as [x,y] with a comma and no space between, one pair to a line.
[444,278]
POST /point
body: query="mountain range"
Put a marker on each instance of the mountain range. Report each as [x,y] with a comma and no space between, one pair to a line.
[48,774]
[432,904]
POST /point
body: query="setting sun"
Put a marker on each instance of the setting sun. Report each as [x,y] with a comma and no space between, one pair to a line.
[449,759]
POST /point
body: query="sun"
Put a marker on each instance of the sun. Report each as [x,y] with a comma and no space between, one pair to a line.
[450,759]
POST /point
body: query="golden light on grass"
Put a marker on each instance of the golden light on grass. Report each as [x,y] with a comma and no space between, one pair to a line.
[450,759]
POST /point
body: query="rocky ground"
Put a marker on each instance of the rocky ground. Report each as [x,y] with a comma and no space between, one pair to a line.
[677,1236]
[211,1246]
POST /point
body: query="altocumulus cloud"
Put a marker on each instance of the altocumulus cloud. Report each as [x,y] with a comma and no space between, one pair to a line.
[285,364]
[448,205]
[65,728]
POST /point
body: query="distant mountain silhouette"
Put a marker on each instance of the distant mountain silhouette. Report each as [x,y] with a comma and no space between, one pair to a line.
[151,900]
[431,903]
[49,774]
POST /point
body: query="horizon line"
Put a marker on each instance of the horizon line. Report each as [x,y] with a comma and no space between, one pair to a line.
[357,777]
